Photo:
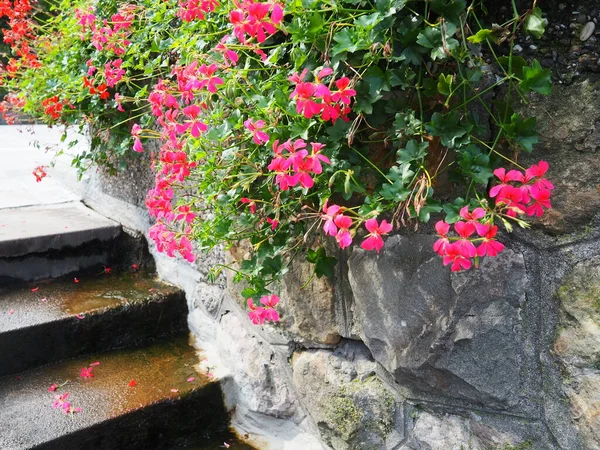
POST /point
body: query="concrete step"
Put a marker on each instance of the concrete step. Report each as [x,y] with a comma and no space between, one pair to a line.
[162,411]
[48,241]
[58,319]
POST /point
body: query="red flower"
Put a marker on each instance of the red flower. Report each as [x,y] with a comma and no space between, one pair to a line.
[489,246]
[454,255]
[374,240]
[86,372]
[442,243]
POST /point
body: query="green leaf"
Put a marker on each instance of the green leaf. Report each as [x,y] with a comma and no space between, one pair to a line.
[450,9]
[324,265]
[448,128]
[481,36]
[347,41]
[522,131]
[535,24]
[414,151]
[475,164]
[395,192]
[517,65]
[536,78]
[444,85]
[431,37]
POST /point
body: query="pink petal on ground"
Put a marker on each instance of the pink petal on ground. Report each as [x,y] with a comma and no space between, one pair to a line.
[175,391]
[43,299]
[80,316]
[12,311]
[190,379]
[35,289]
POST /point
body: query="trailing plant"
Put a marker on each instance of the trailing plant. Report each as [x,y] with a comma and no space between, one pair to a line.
[278,121]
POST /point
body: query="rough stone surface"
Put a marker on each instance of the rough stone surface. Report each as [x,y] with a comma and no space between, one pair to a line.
[255,369]
[569,123]
[578,345]
[352,408]
[430,431]
[457,336]
[308,311]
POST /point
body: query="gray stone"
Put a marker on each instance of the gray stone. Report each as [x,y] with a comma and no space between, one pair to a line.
[352,408]
[568,122]
[438,431]
[460,336]
[39,229]
[308,311]
[578,346]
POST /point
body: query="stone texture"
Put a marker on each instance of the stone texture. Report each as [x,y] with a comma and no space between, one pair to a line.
[578,345]
[256,370]
[456,335]
[352,408]
[308,312]
[568,122]
[431,431]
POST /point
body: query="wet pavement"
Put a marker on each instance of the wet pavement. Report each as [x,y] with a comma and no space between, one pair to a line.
[165,374]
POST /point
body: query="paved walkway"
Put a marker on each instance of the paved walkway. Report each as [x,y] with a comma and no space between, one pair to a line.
[22,149]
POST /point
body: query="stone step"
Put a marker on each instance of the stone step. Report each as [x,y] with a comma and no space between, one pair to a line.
[162,411]
[50,321]
[48,241]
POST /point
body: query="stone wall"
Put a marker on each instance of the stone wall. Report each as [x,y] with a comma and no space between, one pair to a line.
[399,353]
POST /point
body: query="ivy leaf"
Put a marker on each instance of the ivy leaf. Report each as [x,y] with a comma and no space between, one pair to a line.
[481,36]
[431,37]
[475,164]
[517,64]
[536,78]
[535,24]
[414,151]
[376,81]
[450,9]
[324,265]
[444,85]
[448,128]
[452,210]
[346,41]
[522,131]
[395,192]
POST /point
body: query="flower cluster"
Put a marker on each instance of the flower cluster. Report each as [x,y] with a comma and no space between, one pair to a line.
[265,313]
[338,225]
[518,193]
[523,192]
[53,106]
[257,20]
[110,35]
[313,99]
[195,9]
[293,164]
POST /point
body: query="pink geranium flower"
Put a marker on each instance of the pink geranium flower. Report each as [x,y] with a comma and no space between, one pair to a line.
[374,240]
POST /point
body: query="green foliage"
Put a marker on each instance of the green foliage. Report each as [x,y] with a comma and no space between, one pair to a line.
[418,69]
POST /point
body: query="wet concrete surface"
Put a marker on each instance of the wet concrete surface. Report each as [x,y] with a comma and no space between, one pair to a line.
[220,441]
[52,320]
[162,410]
[38,229]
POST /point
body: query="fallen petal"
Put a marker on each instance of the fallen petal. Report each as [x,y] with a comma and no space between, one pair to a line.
[132,383]
[35,289]
[80,316]
[190,379]
[175,391]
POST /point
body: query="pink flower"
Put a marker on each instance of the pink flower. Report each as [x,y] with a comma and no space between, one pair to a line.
[343,236]
[259,137]
[374,240]
[505,178]
[489,246]
[541,198]
[454,255]
[343,94]
[442,243]
[251,204]
[185,214]
[328,215]
[260,314]
[86,372]
[53,387]
[274,223]
[465,230]
[474,216]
